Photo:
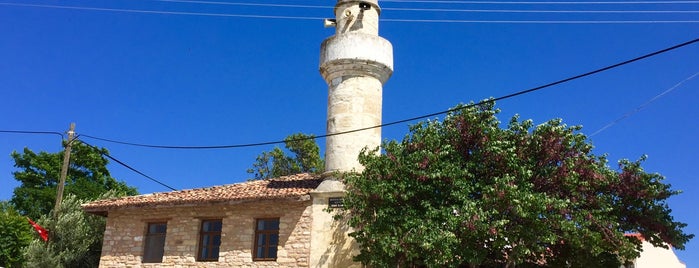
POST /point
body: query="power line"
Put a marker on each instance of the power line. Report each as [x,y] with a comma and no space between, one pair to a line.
[127,166]
[100,151]
[439,2]
[255,16]
[245,4]
[191,147]
[544,2]
[434,9]
[413,118]
[544,21]
[163,12]
[32,132]
[642,106]
[542,11]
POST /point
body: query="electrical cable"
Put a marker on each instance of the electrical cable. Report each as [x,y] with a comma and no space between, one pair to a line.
[245,4]
[100,151]
[543,21]
[543,2]
[413,118]
[162,12]
[254,16]
[32,132]
[642,106]
[127,166]
[542,11]
[434,9]
[193,147]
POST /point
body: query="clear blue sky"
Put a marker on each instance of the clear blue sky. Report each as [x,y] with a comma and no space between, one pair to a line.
[184,79]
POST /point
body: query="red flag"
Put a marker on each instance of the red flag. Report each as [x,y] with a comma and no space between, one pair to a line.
[42,232]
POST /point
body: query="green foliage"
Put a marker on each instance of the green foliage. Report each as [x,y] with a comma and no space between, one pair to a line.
[305,158]
[466,192]
[15,235]
[75,237]
[39,174]
[41,255]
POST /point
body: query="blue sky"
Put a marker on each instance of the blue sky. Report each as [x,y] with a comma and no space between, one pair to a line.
[214,78]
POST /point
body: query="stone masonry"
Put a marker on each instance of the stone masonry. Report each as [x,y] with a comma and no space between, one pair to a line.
[355,63]
[124,236]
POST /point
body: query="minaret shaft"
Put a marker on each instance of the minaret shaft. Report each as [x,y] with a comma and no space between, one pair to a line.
[352,104]
[355,63]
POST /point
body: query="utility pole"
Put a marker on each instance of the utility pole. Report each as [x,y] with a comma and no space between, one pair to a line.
[64,169]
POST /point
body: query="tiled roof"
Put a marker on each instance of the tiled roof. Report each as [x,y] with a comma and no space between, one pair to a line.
[292,186]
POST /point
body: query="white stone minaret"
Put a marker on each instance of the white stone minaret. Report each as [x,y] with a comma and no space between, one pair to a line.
[355,62]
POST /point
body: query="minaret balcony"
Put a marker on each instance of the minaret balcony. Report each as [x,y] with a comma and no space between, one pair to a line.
[356,54]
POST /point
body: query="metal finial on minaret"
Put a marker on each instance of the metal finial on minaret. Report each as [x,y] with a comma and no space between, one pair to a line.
[355,62]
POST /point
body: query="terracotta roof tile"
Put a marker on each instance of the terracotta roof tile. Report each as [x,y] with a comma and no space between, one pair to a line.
[292,186]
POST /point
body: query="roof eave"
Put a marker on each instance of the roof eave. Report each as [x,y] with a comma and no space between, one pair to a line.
[104,210]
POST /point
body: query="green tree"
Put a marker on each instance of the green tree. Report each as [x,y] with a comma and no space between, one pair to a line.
[39,174]
[75,237]
[305,158]
[466,192]
[15,235]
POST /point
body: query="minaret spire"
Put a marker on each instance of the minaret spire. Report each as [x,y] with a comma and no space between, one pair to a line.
[355,62]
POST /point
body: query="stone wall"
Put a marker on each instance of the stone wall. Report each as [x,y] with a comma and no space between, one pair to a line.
[125,234]
[330,244]
[653,257]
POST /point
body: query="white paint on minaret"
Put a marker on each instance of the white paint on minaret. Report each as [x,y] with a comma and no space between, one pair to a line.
[355,63]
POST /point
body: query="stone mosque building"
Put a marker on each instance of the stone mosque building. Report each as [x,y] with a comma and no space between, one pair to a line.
[281,222]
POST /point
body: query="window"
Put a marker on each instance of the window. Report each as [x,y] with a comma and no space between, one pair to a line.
[266,239]
[155,242]
[209,240]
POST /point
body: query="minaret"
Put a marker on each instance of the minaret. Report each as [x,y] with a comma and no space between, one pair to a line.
[355,62]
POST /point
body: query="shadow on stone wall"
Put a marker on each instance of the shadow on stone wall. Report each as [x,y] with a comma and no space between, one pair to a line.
[342,249]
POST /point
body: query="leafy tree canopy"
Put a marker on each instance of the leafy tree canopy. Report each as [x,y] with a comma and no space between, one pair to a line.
[466,192]
[39,174]
[15,235]
[305,157]
[75,237]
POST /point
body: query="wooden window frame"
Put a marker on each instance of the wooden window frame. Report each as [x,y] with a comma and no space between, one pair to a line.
[211,234]
[149,237]
[266,246]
